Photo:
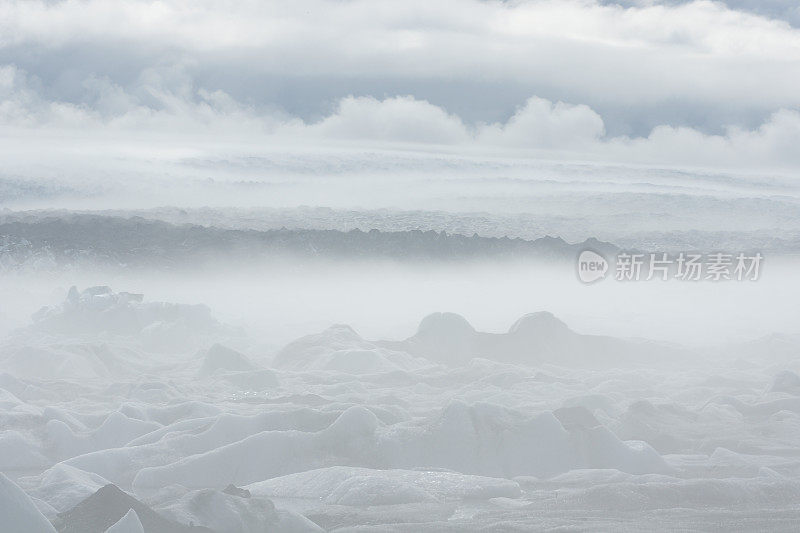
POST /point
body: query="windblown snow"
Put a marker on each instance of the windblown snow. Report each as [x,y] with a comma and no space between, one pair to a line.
[125,415]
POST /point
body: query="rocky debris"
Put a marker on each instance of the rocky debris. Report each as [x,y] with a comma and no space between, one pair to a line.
[233,490]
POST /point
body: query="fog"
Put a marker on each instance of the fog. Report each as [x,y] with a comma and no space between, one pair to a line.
[369,266]
[279,301]
[347,375]
[307,338]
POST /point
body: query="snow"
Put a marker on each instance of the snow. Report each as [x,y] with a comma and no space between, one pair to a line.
[231,513]
[18,452]
[482,439]
[534,339]
[115,431]
[452,426]
[786,381]
[18,513]
[63,486]
[220,357]
[365,486]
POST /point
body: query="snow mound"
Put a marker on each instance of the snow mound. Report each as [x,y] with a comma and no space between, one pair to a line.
[786,381]
[364,486]
[196,433]
[270,454]
[72,361]
[18,514]
[115,431]
[481,439]
[301,352]
[221,358]
[63,486]
[100,311]
[660,425]
[490,440]
[257,380]
[18,452]
[219,511]
[539,323]
[445,325]
[370,490]
[8,401]
[644,493]
[536,338]
[446,337]
[16,387]
[340,349]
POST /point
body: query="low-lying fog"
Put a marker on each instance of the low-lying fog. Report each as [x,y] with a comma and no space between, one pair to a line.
[414,366]
[280,300]
[313,266]
[262,408]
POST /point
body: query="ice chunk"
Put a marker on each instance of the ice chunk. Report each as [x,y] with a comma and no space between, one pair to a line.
[109,505]
[156,325]
[63,486]
[341,349]
[535,338]
[220,357]
[18,514]
[220,511]
[299,353]
[19,452]
[364,486]
[129,523]
[115,431]
[786,381]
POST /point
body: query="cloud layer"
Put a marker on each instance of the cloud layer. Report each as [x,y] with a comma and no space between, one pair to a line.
[700,64]
[697,83]
[537,127]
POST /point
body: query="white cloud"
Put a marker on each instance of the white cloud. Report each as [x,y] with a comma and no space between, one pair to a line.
[179,112]
[541,124]
[773,144]
[173,110]
[692,55]
[401,119]
[21,104]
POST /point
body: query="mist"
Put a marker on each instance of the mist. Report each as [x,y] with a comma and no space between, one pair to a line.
[362,266]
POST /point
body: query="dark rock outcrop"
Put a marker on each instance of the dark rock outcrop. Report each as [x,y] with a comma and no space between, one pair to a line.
[105,507]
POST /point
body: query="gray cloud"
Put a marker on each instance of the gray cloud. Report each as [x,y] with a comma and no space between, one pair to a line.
[165,104]
[787,10]
[683,83]
[699,64]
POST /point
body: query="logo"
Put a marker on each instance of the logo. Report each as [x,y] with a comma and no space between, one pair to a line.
[592,266]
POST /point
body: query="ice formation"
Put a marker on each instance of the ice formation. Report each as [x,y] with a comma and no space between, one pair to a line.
[18,514]
[102,429]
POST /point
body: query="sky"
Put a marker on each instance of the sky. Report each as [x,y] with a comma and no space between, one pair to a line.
[711,84]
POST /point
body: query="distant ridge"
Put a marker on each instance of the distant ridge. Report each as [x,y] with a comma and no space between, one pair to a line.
[59,241]
[535,338]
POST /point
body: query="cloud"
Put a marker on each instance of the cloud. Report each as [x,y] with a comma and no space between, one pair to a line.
[169,108]
[542,124]
[787,10]
[706,63]
[22,105]
[771,145]
[400,119]
[154,104]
